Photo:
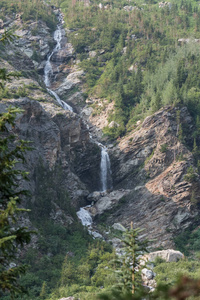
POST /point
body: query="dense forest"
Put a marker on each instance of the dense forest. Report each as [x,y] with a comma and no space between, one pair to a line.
[149,55]
[140,56]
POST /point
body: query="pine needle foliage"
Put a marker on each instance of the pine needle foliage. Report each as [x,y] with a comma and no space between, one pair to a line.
[128,276]
[12,235]
[128,273]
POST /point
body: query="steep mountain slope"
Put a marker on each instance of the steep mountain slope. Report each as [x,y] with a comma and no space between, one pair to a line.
[154,165]
[151,161]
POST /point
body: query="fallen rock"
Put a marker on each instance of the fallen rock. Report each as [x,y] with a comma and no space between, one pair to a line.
[147,274]
[64,54]
[107,202]
[119,227]
[92,54]
[95,196]
[68,298]
[169,255]
[113,124]
[71,81]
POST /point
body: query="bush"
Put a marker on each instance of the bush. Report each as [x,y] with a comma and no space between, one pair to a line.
[163,148]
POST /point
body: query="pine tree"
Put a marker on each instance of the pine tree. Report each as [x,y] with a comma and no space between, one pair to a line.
[130,278]
[181,74]
[43,292]
[13,236]
[129,282]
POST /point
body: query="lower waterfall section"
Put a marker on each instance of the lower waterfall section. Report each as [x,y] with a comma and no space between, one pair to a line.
[84,216]
[106,184]
[105,169]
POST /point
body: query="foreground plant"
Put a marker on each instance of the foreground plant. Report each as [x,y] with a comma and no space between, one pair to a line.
[13,236]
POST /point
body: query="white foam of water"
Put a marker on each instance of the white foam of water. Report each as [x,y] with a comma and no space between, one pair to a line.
[48,71]
[105,168]
[85,217]
[58,38]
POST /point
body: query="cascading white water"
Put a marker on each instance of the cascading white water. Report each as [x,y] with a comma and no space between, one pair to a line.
[106,183]
[48,71]
[86,220]
[84,216]
[105,169]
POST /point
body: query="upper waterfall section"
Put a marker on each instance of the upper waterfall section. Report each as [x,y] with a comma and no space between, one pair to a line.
[48,70]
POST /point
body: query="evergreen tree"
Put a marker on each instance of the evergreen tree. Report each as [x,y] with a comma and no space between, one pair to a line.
[156,102]
[12,235]
[138,86]
[129,277]
[181,74]
[129,280]
[43,292]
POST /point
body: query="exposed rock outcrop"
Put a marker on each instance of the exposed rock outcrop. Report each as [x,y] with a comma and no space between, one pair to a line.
[148,165]
[168,255]
[148,275]
[152,163]
[107,201]
[59,138]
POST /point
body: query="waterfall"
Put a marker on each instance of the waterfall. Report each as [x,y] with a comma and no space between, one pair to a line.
[106,180]
[105,168]
[48,71]
[84,216]
[106,183]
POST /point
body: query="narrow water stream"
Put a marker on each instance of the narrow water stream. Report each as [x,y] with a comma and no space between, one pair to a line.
[105,169]
[48,71]
[106,183]
[106,175]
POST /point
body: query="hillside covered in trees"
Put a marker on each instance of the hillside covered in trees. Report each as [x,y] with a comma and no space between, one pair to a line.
[147,55]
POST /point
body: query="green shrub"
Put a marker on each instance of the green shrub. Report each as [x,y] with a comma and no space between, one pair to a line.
[191,175]
[163,148]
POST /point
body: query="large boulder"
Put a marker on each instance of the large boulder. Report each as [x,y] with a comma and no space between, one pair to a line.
[68,298]
[106,201]
[72,80]
[168,255]
[64,54]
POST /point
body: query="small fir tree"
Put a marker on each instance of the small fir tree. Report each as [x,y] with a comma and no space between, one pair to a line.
[12,235]
[128,274]
[128,277]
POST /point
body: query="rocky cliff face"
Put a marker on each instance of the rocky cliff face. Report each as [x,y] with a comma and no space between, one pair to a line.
[60,138]
[148,165]
[153,163]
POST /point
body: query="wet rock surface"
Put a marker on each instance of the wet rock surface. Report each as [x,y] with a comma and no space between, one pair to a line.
[55,135]
[152,162]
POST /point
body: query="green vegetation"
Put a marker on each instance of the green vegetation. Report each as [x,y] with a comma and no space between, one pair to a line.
[188,242]
[63,255]
[169,272]
[149,157]
[191,175]
[35,10]
[13,235]
[139,63]
[87,277]
[163,148]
